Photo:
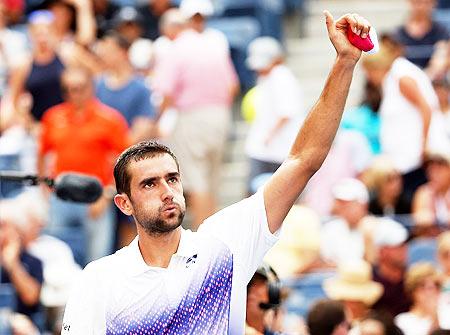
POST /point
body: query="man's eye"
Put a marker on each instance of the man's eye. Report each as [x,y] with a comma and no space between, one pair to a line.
[150,184]
[173,180]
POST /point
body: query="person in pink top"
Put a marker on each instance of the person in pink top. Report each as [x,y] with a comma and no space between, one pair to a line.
[199,80]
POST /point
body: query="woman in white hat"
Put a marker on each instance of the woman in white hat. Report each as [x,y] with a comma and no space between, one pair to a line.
[355,288]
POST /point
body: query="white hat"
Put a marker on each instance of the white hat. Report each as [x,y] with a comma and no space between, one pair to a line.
[354,282]
[141,53]
[350,189]
[262,51]
[189,8]
[389,233]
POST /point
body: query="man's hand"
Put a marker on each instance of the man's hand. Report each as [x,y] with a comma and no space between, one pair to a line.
[337,32]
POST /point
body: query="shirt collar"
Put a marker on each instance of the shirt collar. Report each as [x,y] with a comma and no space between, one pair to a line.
[136,264]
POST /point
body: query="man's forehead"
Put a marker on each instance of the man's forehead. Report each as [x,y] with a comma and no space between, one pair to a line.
[154,166]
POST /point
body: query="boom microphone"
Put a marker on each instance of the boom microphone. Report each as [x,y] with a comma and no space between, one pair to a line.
[74,187]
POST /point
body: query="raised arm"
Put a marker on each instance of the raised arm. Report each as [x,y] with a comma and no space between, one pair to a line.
[315,137]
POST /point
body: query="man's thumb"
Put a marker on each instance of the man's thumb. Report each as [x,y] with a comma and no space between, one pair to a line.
[329,21]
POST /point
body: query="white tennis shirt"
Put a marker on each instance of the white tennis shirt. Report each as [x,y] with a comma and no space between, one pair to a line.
[202,291]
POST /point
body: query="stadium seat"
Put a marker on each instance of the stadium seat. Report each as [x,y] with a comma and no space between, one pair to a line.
[304,291]
[422,250]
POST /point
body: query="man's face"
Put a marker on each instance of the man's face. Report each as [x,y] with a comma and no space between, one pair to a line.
[156,194]
[396,256]
[110,53]
[77,87]
[258,293]
[422,7]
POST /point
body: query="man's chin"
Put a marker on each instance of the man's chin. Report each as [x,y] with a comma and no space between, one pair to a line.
[165,226]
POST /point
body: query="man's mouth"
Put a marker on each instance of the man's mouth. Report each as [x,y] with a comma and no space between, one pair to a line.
[170,208]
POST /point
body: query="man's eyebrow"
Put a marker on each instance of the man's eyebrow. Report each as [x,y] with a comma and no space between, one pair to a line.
[173,174]
[147,181]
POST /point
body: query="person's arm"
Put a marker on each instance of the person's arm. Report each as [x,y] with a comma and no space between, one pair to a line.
[422,207]
[86,26]
[411,91]
[28,288]
[319,129]
[17,82]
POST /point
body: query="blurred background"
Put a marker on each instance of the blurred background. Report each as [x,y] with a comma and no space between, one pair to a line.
[226,84]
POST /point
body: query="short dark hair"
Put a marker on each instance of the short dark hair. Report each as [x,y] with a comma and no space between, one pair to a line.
[137,152]
[324,316]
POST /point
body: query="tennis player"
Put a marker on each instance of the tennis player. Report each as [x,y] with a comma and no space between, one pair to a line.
[174,281]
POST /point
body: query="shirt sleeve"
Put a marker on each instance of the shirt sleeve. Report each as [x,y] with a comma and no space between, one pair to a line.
[84,312]
[244,229]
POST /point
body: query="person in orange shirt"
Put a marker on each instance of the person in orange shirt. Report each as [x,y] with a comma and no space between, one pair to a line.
[85,136]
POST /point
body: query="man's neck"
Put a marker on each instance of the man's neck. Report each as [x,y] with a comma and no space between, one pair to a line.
[119,76]
[157,250]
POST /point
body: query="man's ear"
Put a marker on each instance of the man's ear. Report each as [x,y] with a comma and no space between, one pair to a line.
[123,202]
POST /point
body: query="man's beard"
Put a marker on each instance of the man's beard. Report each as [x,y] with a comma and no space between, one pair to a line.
[156,224]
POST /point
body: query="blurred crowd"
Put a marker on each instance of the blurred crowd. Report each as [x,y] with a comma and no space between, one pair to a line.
[81,80]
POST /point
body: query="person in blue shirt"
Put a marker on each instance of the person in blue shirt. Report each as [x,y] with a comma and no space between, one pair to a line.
[365,118]
[122,90]
[21,270]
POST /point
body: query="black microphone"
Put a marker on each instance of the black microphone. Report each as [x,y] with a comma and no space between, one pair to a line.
[74,187]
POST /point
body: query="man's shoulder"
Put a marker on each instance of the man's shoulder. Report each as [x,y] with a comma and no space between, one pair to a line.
[55,112]
[108,114]
[104,267]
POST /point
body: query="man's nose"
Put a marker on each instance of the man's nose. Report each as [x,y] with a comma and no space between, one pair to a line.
[167,192]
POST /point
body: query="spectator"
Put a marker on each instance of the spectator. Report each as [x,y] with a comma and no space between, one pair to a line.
[151,12]
[443,255]
[376,323]
[390,265]
[342,238]
[349,156]
[409,106]
[30,213]
[71,14]
[365,118]
[431,202]
[122,90]
[386,189]
[20,269]
[420,33]
[40,75]
[328,317]
[172,23]
[442,88]
[423,286]
[444,259]
[127,22]
[199,80]
[263,297]
[104,11]
[97,133]
[12,50]
[278,108]
[355,288]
